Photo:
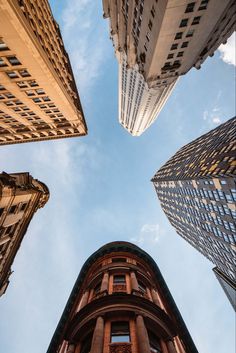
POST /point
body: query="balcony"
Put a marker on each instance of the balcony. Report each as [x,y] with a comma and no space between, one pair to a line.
[120,348]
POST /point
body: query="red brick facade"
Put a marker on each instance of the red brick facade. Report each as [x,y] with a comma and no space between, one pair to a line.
[118,305]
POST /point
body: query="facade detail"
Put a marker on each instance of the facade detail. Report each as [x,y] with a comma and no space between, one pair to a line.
[120,304]
[156,42]
[20,198]
[38,95]
[197,191]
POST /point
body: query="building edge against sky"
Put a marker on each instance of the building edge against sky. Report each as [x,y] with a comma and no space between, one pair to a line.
[20,197]
[197,191]
[121,303]
[155,44]
[38,95]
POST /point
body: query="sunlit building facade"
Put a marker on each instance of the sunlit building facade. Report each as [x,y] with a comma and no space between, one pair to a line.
[197,191]
[20,197]
[120,303]
[38,95]
[162,40]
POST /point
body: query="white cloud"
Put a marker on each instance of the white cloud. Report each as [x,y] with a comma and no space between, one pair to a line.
[228,51]
[87,50]
[149,233]
[212,117]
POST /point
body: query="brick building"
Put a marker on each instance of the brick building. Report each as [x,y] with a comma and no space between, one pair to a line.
[120,303]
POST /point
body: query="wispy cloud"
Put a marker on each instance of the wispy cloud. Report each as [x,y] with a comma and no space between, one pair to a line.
[228,51]
[149,233]
[86,37]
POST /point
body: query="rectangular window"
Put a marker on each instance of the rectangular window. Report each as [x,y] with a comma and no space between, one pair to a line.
[2,63]
[119,259]
[178,35]
[120,332]
[184,45]
[13,60]
[183,22]
[3,45]
[203,5]
[12,74]
[119,279]
[190,33]
[196,20]
[174,46]
[190,7]
[153,11]
[170,56]
[180,53]
[24,73]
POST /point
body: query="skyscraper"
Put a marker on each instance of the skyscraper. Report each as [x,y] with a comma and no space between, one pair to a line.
[197,191]
[120,303]
[156,42]
[38,95]
[20,197]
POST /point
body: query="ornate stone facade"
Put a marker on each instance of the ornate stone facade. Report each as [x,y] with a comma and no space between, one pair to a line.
[38,95]
[135,312]
[20,197]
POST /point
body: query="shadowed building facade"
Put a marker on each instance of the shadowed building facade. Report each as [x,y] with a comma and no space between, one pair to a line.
[20,197]
[120,303]
[38,95]
[197,191]
[156,42]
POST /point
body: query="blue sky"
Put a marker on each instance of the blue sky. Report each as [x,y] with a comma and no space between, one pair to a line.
[101,191]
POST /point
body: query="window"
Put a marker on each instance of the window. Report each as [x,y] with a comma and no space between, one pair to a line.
[180,53]
[142,287]
[150,25]
[119,279]
[119,259]
[120,332]
[174,46]
[184,45]
[97,288]
[203,5]
[190,33]
[196,20]
[190,7]
[13,60]
[13,209]
[154,343]
[153,11]
[184,22]
[3,45]
[24,73]
[170,56]
[12,74]
[178,35]
[2,63]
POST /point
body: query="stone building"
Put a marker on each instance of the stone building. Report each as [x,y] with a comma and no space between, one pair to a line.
[20,197]
[156,42]
[38,95]
[120,303]
[197,191]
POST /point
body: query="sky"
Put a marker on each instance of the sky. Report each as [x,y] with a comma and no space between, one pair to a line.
[100,191]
